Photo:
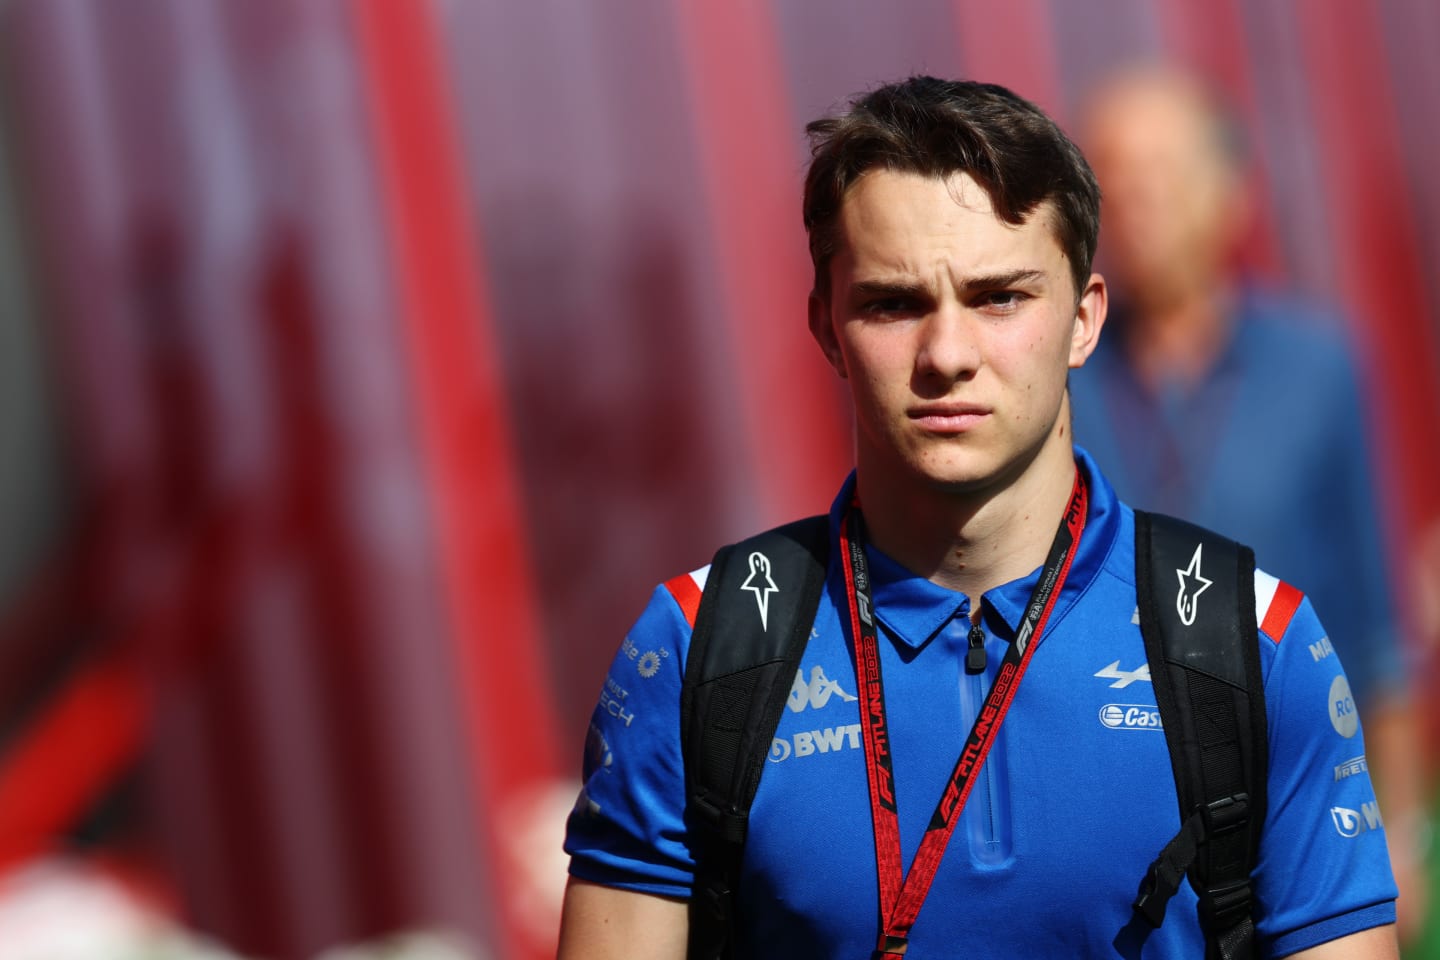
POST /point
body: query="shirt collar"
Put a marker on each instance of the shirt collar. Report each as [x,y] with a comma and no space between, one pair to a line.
[914,610]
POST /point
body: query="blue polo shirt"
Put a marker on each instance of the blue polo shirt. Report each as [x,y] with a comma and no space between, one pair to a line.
[1271,448]
[1075,800]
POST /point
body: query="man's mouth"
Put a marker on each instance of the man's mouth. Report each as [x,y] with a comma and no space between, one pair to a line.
[948,417]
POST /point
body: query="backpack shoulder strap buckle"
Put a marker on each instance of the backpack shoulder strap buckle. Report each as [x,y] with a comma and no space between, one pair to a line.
[1226,814]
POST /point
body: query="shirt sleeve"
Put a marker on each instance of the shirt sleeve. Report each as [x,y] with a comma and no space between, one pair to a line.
[1323,870]
[627,829]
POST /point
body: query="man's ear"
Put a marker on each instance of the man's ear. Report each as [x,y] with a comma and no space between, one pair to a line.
[1089,319]
[822,328]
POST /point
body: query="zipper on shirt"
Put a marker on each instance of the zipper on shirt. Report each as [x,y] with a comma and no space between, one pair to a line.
[987,815]
[975,652]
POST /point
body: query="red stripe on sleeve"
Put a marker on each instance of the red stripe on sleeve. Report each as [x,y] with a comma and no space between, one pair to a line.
[59,766]
[1282,607]
[683,589]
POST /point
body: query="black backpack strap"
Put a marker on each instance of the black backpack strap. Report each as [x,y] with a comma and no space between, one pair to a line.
[1196,594]
[754,620]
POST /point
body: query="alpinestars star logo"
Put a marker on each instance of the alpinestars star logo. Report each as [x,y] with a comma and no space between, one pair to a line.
[760,584]
[1192,584]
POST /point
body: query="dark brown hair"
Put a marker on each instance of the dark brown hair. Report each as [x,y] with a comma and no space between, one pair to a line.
[940,127]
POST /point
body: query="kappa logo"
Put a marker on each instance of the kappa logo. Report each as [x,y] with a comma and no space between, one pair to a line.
[1192,584]
[760,583]
[816,693]
[1123,678]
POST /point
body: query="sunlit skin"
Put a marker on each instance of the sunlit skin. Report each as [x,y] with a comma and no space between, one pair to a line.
[956,331]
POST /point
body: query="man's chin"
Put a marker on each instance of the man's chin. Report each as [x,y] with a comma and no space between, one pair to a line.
[971,474]
[959,478]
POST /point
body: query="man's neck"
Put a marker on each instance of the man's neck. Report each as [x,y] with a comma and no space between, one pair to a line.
[972,542]
[1178,341]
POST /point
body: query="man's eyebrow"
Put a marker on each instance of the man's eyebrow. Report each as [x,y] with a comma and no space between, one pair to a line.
[915,288]
[999,281]
[888,288]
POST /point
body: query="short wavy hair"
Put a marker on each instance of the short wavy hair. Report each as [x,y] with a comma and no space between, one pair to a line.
[936,128]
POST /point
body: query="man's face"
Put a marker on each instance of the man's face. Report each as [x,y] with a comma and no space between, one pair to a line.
[955,329]
[1174,206]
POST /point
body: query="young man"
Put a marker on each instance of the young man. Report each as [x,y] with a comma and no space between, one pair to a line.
[952,228]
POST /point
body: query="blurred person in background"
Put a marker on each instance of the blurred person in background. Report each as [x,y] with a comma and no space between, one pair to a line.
[1203,378]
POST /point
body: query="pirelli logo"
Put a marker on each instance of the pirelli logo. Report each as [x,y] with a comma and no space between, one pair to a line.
[1351,767]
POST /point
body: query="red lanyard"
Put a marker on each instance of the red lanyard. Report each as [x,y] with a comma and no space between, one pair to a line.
[901,895]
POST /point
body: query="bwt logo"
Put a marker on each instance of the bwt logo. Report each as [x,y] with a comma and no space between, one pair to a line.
[1352,823]
[1130,716]
[810,742]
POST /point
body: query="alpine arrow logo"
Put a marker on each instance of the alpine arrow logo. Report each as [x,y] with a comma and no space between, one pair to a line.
[1192,584]
[760,584]
[1123,678]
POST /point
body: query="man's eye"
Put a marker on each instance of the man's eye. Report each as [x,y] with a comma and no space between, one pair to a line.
[1004,300]
[891,305]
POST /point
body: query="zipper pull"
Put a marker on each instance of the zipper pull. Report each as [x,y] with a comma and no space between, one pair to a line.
[975,656]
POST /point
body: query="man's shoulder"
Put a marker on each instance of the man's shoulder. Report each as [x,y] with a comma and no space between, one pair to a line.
[759,557]
[1293,331]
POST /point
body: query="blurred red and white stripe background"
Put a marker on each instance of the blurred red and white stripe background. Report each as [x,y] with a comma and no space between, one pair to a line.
[368,360]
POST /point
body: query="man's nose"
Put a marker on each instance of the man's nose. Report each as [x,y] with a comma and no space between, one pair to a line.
[948,348]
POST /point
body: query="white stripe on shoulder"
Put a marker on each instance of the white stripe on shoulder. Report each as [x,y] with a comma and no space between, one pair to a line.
[1265,587]
[700,576]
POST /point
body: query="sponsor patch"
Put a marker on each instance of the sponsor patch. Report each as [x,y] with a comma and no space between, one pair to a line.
[612,701]
[816,693]
[1351,767]
[1130,716]
[810,742]
[649,663]
[1341,704]
[1123,678]
[1351,823]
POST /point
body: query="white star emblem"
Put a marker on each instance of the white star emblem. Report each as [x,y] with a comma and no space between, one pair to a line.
[760,584]
[1192,584]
